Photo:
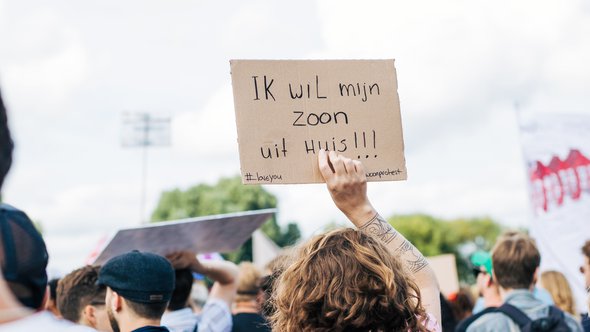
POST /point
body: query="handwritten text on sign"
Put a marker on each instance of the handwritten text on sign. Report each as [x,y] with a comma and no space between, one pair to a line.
[286,111]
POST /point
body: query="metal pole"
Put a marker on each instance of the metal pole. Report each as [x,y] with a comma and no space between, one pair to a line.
[145,130]
[142,218]
[145,145]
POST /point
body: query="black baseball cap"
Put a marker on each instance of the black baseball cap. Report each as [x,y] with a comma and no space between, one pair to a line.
[23,256]
[139,276]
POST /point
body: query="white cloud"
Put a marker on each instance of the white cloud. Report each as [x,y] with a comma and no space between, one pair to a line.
[78,218]
[42,57]
[208,132]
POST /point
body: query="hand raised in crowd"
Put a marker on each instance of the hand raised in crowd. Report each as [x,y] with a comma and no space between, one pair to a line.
[223,273]
[347,184]
[186,260]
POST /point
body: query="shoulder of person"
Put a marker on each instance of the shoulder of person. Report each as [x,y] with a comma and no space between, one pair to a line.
[492,321]
[46,321]
[574,324]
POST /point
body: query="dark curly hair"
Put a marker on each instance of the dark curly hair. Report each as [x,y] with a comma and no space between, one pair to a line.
[345,280]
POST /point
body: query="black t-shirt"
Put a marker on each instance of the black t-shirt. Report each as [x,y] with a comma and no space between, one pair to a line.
[152,329]
[244,322]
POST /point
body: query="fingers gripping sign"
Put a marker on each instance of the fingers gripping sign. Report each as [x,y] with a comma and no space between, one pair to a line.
[347,183]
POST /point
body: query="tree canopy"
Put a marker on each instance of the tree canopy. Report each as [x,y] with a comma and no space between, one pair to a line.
[226,196]
[434,236]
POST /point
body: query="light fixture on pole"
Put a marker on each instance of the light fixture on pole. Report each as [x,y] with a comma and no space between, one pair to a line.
[144,130]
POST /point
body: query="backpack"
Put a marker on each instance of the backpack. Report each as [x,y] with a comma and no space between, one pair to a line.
[554,322]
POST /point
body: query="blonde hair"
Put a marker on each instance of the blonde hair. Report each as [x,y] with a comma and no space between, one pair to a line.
[346,280]
[556,284]
[248,282]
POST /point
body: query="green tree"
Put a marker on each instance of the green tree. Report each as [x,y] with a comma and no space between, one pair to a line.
[435,236]
[226,196]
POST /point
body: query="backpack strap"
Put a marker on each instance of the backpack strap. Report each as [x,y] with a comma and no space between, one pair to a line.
[519,317]
[556,313]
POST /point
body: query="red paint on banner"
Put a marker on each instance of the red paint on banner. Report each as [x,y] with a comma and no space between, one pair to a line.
[552,183]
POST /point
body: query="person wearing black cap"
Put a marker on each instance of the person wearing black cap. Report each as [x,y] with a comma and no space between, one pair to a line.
[139,286]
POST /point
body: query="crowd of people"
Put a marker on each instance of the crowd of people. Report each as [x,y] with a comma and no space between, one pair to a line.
[365,278]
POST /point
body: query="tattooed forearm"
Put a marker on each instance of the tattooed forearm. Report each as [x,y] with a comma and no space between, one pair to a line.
[418,264]
[414,259]
[406,251]
[380,229]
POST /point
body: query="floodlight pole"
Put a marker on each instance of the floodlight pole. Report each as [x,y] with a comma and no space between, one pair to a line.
[145,129]
[144,146]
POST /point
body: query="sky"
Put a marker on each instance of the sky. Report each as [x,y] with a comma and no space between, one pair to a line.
[69,69]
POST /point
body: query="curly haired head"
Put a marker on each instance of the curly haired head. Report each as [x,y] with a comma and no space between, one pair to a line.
[345,280]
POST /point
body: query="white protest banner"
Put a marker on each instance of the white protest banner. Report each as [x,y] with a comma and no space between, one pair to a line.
[219,233]
[557,152]
[287,110]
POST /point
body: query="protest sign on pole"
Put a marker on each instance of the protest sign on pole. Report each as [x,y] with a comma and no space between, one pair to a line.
[287,110]
[557,151]
[219,233]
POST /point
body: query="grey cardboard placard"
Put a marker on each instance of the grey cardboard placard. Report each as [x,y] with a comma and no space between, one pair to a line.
[218,233]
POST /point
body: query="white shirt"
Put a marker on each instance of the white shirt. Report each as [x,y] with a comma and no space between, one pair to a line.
[183,320]
[43,321]
[215,317]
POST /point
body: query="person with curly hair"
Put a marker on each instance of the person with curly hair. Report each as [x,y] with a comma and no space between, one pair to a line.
[365,279]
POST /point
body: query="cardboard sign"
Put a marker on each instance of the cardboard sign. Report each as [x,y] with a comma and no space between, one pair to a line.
[287,110]
[445,269]
[219,233]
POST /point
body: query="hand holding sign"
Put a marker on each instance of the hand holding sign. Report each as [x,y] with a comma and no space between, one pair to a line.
[347,183]
[287,111]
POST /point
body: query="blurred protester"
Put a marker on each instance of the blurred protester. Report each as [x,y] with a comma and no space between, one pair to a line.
[179,315]
[370,279]
[247,307]
[198,297]
[489,292]
[515,260]
[51,304]
[139,286]
[461,303]
[585,270]
[448,321]
[216,314]
[23,259]
[81,300]
[273,270]
[561,293]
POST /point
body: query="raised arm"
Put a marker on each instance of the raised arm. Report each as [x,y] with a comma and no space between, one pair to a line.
[223,273]
[347,183]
